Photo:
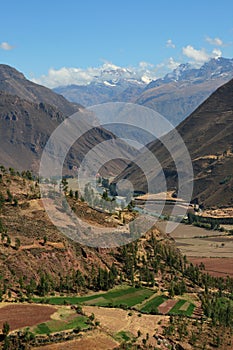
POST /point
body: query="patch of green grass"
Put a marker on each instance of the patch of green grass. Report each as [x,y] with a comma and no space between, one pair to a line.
[176,309]
[123,336]
[42,329]
[124,297]
[61,325]
[152,305]
[66,300]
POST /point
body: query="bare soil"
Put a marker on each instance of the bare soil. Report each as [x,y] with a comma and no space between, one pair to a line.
[115,320]
[218,267]
[91,340]
[199,242]
[23,315]
[185,306]
[166,306]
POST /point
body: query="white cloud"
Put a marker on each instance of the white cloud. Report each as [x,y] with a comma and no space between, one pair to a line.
[170,44]
[165,67]
[5,46]
[216,53]
[199,57]
[172,64]
[214,41]
[196,55]
[144,72]
[144,64]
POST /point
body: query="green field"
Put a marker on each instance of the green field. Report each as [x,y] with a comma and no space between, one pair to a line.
[123,336]
[61,325]
[176,309]
[118,297]
[123,297]
[151,307]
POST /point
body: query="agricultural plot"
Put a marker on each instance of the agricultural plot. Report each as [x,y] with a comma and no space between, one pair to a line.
[217,267]
[119,297]
[162,305]
[182,307]
[90,340]
[23,315]
[151,307]
[199,242]
[71,321]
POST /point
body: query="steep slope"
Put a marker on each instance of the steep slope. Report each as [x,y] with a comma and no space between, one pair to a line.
[31,245]
[178,94]
[207,133]
[14,83]
[25,128]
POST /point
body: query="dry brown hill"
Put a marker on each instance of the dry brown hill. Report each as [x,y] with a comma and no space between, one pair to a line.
[207,133]
[25,127]
[14,83]
[43,249]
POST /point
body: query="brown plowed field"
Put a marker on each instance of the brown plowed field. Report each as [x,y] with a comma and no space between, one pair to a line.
[23,315]
[218,267]
[92,341]
[166,306]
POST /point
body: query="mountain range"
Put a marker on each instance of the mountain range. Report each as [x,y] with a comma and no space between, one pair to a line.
[27,121]
[175,96]
[207,134]
[29,113]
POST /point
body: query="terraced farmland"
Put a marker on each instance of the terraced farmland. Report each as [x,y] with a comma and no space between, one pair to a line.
[163,305]
[119,297]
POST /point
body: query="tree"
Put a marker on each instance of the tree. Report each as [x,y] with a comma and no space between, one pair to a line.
[64,185]
[8,240]
[17,243]
[105,195]
[92,317]
[15,202]
[2,200]
[45,239]
[5,329]
[9,196]
[6,344]
[12,171]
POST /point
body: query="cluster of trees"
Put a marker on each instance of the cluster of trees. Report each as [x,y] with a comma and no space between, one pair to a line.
[8,199]
[20,341]
[5,238]
[219,309]
[26,174]
[103,202]
[208,222]
[72,282]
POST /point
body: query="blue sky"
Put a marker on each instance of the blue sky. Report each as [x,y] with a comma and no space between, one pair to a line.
[36,36]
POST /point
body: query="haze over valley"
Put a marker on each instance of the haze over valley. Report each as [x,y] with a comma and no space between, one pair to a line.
[116,175]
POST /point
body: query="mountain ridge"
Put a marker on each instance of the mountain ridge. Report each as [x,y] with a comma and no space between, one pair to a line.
[175,96]
[207,134]
[25,128]
[14,82]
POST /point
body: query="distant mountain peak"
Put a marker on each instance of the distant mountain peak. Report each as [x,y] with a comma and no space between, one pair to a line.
[175,95]
[214,68]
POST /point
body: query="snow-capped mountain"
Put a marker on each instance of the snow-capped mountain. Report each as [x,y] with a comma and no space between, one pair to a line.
[112,75]
[185,72]
[175,95]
